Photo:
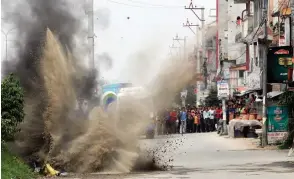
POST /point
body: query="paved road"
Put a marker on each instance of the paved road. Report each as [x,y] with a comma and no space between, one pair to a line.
[210,156]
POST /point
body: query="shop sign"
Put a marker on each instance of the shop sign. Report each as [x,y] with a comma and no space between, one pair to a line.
[279,63]
[277,123]
[275,137]
[223,90]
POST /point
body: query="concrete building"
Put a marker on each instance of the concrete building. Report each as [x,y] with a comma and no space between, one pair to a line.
[236,50]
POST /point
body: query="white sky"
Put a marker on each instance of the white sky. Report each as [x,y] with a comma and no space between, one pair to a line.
[144,38]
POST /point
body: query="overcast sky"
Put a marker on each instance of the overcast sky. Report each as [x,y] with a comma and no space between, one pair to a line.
[136,34]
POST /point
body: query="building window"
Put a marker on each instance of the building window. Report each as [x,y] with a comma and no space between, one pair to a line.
[241,74]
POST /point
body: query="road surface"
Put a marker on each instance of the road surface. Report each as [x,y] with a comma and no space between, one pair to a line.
[209,156]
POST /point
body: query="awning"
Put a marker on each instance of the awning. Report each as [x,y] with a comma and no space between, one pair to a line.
[248,91]
[237,68]
[274,94]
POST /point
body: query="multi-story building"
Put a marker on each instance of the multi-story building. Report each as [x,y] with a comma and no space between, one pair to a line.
[252,34]
[250,21]
[236,50]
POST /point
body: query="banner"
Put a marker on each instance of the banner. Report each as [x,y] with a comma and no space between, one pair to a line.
[223,90]
[277,123]
[279,62]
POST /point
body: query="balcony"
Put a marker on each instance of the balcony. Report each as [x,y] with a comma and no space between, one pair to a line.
[245,29]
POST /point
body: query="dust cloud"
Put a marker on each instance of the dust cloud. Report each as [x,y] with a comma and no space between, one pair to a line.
[54,131]
[102,142]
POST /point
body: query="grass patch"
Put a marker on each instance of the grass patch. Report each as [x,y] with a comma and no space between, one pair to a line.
[13,167]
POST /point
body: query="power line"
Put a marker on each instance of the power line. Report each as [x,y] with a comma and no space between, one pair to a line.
[156,5]
[143,5]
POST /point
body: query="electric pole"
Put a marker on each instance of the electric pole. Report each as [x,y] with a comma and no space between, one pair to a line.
[6,41]
[292,23]
[188,24]
[292,33]
[183,39]
[264,77]
[174,47]
[196,48]
[91,34]
[199,61]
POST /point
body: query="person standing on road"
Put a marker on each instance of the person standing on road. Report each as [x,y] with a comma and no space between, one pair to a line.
[193,113]
[179,121]
[173,121]
[190,121]
[202,124]
[183,118]
[166,122]
[219,115]
[197,122]
[206,119]
[211,121]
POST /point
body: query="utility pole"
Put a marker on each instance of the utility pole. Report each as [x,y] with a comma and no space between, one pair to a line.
[174,47]
[188,24]
[292,23]
[199,64]
[6,41]
[183,39]
[264,79]
[196,50]
[91,34]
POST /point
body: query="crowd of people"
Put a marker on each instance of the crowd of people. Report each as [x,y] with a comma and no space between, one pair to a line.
[189,120]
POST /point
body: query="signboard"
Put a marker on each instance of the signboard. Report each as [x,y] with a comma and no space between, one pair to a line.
[277,123]
[276,137]
[279,61]
[223,90]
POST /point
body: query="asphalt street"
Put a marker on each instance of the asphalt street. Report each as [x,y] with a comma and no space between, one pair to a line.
[208,155]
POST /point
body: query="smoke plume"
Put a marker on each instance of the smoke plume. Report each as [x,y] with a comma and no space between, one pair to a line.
[54,78]
[105,61]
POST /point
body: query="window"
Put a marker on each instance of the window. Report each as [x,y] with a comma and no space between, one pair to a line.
[241,74]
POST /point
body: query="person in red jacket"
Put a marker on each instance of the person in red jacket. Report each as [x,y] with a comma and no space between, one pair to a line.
[172,120]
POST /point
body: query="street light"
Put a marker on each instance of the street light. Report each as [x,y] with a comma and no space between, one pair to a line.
[6,36]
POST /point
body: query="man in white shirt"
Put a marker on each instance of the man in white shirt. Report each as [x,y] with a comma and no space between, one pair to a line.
[206,119]
[211,117]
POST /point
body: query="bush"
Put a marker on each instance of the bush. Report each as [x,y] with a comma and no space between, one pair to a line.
[14,167]
[12,103]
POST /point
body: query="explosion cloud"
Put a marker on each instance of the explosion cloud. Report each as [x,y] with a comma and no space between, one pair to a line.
[54,78]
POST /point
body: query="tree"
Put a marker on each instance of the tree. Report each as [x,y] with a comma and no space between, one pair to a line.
[12,103]
[191,96]
[190,99]
[212,99]
[287,98]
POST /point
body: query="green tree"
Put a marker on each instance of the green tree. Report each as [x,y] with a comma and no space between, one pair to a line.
[287,98]
[190,99]
[191,96]
[12,103]
[212,99]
